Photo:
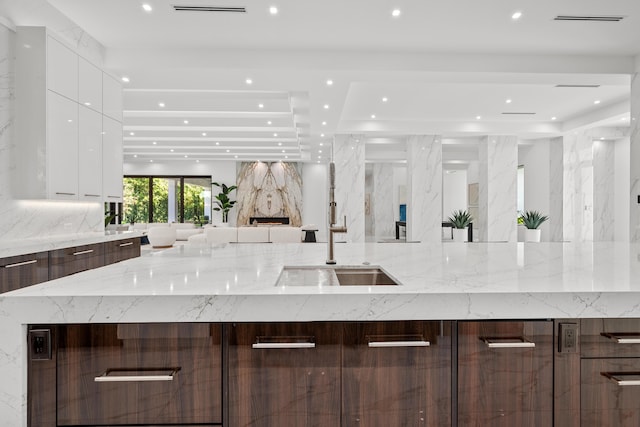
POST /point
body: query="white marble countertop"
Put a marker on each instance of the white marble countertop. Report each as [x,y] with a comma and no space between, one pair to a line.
[10,248]
[237,282]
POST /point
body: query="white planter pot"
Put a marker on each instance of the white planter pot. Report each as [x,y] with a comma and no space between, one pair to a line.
[460,235]
[532,235]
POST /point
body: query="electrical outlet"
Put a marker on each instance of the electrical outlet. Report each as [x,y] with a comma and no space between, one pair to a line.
[568,338]
[40,344]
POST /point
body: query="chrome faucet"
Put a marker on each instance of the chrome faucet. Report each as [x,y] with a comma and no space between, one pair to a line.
[333,228]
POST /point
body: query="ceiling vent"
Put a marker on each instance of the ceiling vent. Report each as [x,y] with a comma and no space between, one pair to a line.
[520,114]
[579,86]
[594,18]
[209,9]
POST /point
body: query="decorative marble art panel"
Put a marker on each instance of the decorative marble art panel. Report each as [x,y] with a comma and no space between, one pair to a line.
[269,189]
[7,86]
[603,190]
[348,155]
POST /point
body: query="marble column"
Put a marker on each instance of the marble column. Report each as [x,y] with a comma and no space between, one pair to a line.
[578,187]
[603,191]
[348,155]
[7,85]
[634,132]
[555,189]
[498,164]
[424,188]
[382,201]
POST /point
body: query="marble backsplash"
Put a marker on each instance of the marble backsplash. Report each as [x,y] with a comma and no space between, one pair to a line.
[269,189]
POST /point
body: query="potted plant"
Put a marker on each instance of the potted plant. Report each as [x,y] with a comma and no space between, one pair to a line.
[532,220]
[223,202]
[460,220]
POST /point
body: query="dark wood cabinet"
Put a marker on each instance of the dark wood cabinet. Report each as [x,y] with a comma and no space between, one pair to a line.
[505,373]
[139,374]
[120,250]
[284,374]
[24,270]
[63,262]
[396,374]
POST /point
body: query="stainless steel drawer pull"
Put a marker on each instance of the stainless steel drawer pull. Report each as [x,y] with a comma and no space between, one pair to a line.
[88,251]
[632,378]
[507,342]
[375,344]
[65,194]
[152,375]
[18,264]
[126,244]
[623,337]
[92,195]
[276,342]
[113,197]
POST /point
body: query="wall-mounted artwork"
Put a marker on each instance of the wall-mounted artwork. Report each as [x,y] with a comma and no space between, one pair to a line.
[269,190]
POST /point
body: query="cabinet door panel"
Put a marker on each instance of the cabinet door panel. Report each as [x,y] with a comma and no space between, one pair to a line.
[292,379]
[396,374]
[62,69]
[111,97]
[90,155]
[121,250]
[610,337]
[112,160]
[191,352]
[89,85]
[509,383]
[63,262]
[604,402]
[62,147]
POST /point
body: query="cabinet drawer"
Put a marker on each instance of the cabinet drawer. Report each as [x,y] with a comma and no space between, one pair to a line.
[284,374]
[610,392]
[63,262]
[396,374]
[139,374]
[505,373]
[610,337]
[121,250]
[24,270]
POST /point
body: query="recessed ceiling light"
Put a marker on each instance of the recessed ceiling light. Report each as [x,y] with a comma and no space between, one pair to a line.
[275,134]
[171,150]
[279,143]
[87,104]
[125,79]
[228,151]
[597,101]
[322,135]
[185,156]
[217,143]
[319,151]
[318,161]
[326,106]
[385,99]
[395,13]
[284,151]
[135,155]
[197,161]
[324,123]
[321,144]
[147,7]
[70,120]
[131,133]
[204,134]
[602,138]
[235,157]
[260,105]
[373,116]
[269,122]
[554,118]
[286,157]
[154,142]
[516,15]
[151,161]
[478,117]
[186,122]
[319,157]
[273,10]
[248,81]
[161,104]
[508,101]
[329,82]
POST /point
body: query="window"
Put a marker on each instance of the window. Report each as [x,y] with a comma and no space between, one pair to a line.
[167,199]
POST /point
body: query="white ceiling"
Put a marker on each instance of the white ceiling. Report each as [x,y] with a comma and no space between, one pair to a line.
[440,64]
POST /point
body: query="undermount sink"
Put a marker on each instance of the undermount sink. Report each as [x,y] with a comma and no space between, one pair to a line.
[342,275]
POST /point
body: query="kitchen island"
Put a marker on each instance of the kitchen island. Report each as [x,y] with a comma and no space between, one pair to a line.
[237,283]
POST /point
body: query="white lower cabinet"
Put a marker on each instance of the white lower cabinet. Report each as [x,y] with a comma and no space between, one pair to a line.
[62,147]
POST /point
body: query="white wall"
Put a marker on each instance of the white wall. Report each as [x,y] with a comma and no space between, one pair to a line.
[454,192]
[315,188]
[622,179]
[535,159]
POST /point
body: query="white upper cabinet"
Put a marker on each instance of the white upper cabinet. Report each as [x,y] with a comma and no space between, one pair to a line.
[62,147]
[111,97]
[89,85]
[112,170]
[62,69]
[90,155]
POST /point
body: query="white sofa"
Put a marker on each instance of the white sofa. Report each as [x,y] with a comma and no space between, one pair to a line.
[248,234]
[221,234]
[253,235]
[285,234]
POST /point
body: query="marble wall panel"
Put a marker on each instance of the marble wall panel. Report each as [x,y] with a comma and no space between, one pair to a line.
[634,132]
[603,191]
[424,188]
[497,209]
[348,155]
[555,189]
[269,189]
[383,206]
[7,86]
